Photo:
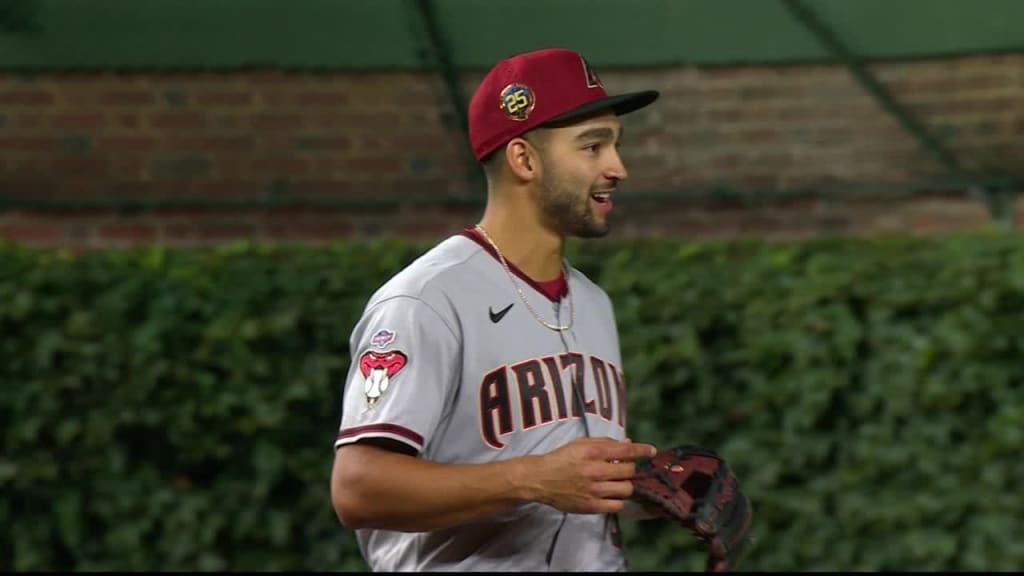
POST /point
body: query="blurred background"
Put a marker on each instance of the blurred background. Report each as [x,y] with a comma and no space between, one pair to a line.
[127,122]
[814,261]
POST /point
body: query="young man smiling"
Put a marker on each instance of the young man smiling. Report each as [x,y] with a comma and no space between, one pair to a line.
[484,414]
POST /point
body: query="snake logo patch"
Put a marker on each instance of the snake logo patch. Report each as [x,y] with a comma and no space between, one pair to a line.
[378,368]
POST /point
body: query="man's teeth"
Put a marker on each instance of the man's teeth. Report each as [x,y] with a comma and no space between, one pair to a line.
[601,197]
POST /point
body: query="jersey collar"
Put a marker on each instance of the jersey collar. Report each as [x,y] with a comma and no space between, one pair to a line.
[553,295]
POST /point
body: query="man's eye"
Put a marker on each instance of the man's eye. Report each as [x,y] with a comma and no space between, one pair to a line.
[592,147]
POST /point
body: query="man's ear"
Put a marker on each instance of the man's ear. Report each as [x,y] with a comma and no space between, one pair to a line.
[523,159]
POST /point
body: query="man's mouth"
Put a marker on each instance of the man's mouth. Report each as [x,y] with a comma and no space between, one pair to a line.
[601,197]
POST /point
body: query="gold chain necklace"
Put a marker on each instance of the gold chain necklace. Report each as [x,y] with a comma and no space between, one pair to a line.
[522,296]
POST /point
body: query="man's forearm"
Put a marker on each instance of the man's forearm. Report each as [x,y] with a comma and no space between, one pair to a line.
[394,491]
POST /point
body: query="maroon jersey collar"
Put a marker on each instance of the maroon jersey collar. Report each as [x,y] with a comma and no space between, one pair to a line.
[554,290]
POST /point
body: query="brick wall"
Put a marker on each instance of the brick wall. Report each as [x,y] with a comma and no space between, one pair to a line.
[255,135]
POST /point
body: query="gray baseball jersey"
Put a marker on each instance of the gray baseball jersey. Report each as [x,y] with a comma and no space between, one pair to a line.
[447,359]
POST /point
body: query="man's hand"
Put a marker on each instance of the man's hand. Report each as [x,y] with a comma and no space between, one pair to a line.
[587,475]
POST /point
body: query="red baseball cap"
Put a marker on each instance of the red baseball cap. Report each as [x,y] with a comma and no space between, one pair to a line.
[536,88]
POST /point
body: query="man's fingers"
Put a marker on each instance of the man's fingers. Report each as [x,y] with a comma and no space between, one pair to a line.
[629,451]
[620,490]
[615,471]
[607,506]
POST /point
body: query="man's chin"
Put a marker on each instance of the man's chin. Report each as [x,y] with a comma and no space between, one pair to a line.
[585,226]
[593,230]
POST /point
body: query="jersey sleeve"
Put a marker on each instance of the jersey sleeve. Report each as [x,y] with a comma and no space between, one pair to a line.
[402,374]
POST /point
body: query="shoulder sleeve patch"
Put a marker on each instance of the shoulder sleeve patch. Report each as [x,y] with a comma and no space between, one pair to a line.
[378,367]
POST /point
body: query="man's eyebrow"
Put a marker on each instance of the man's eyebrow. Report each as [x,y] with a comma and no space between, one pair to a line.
[601,133]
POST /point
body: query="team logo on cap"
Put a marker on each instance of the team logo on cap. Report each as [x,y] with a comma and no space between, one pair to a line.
[378,369]
[593,80]
[517,101]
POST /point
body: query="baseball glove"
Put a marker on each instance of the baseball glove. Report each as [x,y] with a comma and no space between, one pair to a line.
[695,487]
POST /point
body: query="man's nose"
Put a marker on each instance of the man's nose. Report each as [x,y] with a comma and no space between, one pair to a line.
[616,169]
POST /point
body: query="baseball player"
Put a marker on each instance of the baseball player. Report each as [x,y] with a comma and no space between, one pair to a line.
[484,413]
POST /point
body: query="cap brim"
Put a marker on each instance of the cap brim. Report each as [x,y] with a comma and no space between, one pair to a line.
[619,104]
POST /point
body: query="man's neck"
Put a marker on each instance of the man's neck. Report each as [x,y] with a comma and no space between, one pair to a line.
[535,250]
